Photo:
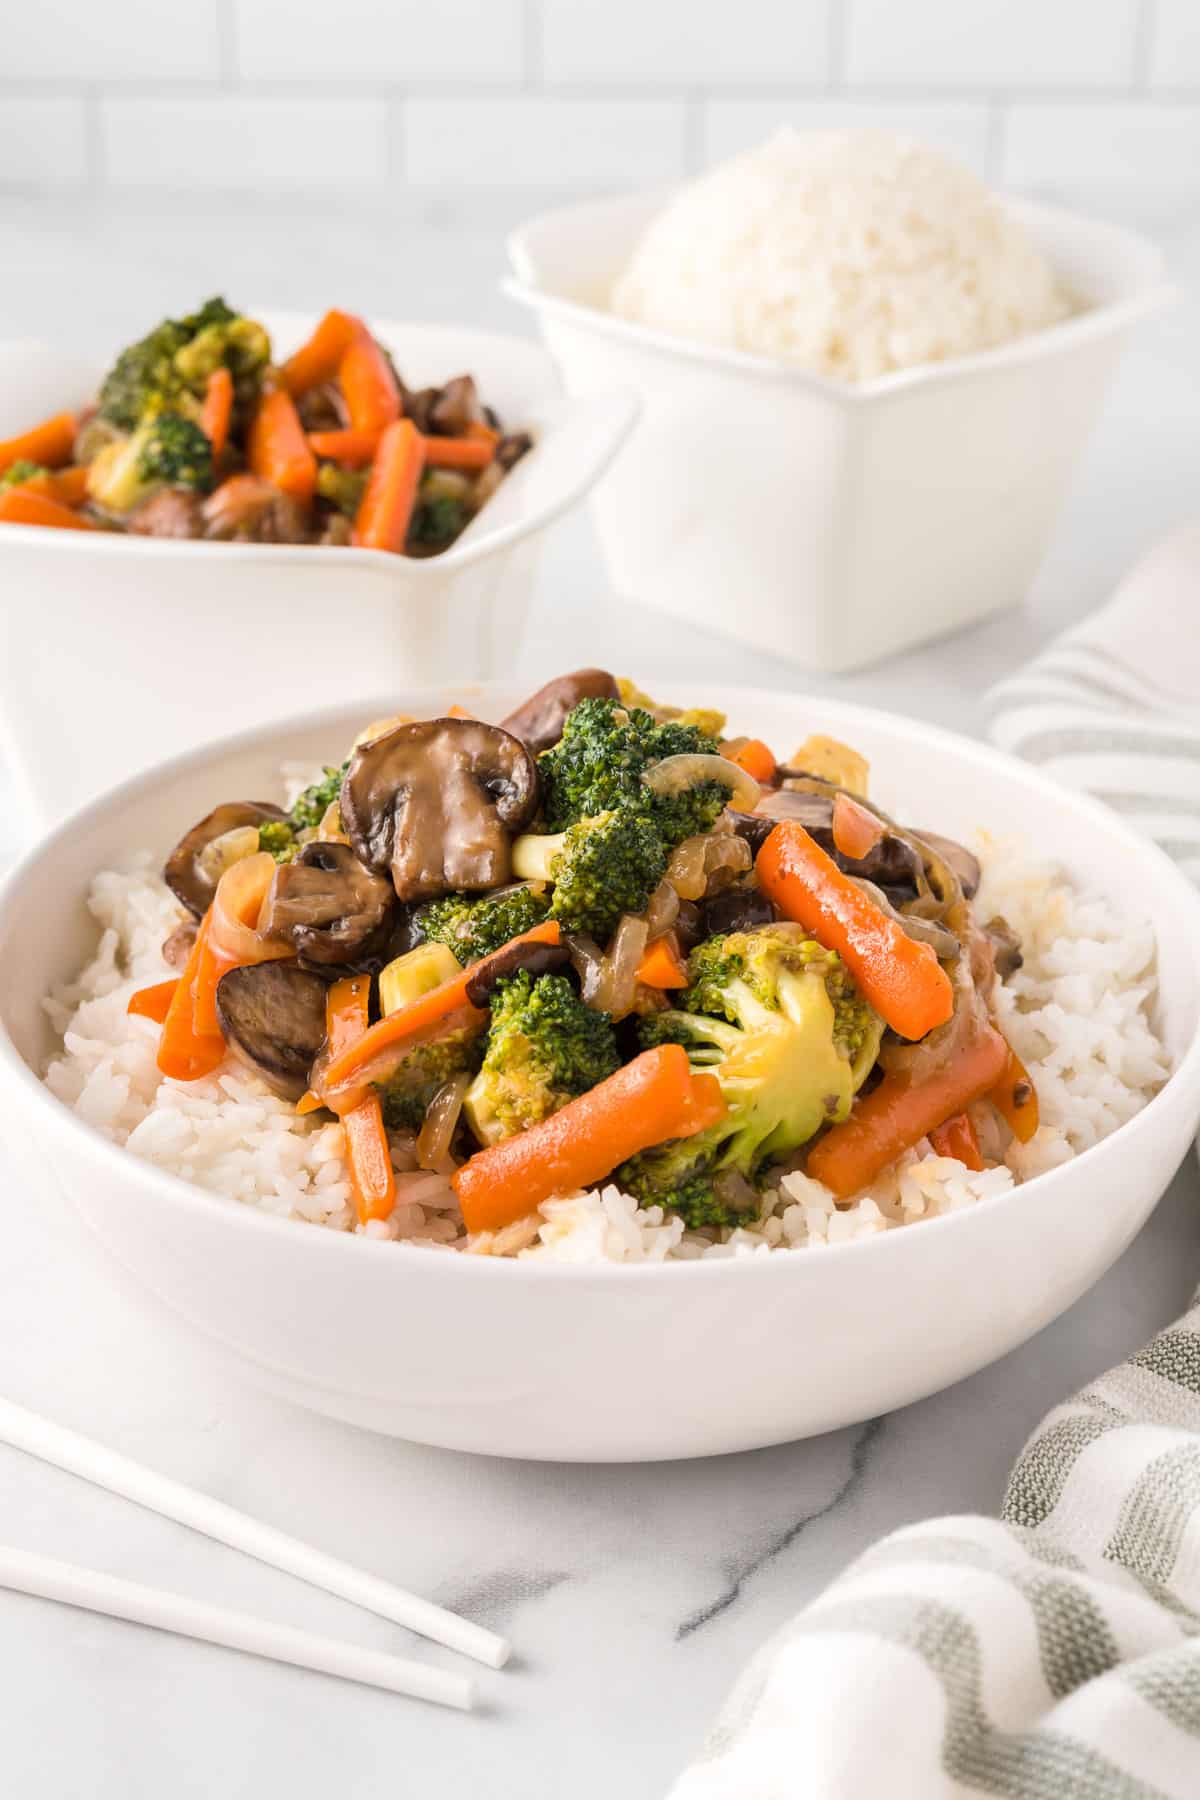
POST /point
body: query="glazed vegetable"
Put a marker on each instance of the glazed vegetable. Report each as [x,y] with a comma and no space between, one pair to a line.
[957,1138]
[22,506]
[372,1180]
[600,868]
[473,925]
[343,488]
[1015,1097]
[232,939]
[218,409]
[383,518]
[67,486]
[277,449]
[168,369]
[601,759]
[902,979]
[543,1047]
[153,1002]
[186,1051]
[368,384]
[898,1113]
[312,805]
[651,1099]
[662,966]
[458,453]
[48,444]
[165,451]
[356,449]
[317,360]
[756,758]
[856,831]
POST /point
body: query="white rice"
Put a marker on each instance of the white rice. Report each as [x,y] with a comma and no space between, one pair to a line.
[850,253]
[1077,1013]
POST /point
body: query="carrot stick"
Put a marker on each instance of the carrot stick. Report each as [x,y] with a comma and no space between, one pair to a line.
[855,830]
[458,453]
[1015,1097]
[898,1113]
[386,507]
[232,941]
[153,1002]
[368,384]
[900,978]
[487,434]
[277,448]
[354,448]
[184,1051]
[372,1180]
[957,1138]
[49,443]
[217,410]
[756,758]
[67,486]
[652,1099]
[662,966]
[318,359]
[26,506]
[347,1070]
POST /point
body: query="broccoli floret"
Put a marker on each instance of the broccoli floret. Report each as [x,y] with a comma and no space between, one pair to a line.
[20,471]
[600,868]
[311,806]
[788,1039]
[343,488]
[473,926]
[544,1046]
[165,450]
[437,522]
[166,371]
[278,838]
[599,762]
[409,1088]
[239,344]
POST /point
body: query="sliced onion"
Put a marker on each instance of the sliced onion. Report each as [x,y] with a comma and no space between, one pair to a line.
[676,774]
[726,857]
[662,909]
[922,931]
[236,907]
[587,960]
[220,853]
[686,871]
[434,1137]
[618,981]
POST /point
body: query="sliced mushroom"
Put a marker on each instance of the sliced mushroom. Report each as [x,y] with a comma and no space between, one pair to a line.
[437,803]
[273,1016]
[456,407]
[737,909]
[538,959]
[178,946]
[323,408]
[892,863]
[169,513]
[963,861]
[512,448]
[190,873]
[328,906]
[539,722]
[1006,946]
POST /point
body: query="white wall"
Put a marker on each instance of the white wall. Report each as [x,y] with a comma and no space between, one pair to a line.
[368,97]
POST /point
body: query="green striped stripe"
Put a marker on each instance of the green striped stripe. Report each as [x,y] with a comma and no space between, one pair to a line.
[1155,1514]
[1038,1480]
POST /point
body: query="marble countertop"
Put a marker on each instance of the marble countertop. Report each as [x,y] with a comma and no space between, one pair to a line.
[633,1594]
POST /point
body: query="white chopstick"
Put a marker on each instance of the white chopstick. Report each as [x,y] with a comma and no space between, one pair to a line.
[28,1573]
[121,1475]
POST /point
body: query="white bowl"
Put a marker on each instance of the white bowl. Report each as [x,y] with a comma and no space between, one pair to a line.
[610,1362]
[833,523]
[109,644]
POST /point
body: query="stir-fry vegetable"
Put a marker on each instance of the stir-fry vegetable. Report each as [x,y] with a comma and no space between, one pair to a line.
[372,1178]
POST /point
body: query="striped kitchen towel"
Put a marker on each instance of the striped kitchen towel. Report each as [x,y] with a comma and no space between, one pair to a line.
[1054,1653]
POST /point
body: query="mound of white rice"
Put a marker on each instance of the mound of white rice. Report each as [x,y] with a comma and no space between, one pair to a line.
[1078,1014]
[850,253]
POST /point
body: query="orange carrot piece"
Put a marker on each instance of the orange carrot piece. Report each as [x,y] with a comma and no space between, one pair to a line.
[459,712]
[318,359]
[458,453]
[487,434]
[217,410]
[651,1100]
[26,506]
[277,448]
[67,486]
[153,1002]
[901,979]
[1015,1098]
[353,448]
[49,443]
[856,831]
[957,1138]
[184,1051]
[231,941]
[662,966]
[756,758]
[372,1179]
[347,1070]
[898,1113]
[368,384]
[386,507]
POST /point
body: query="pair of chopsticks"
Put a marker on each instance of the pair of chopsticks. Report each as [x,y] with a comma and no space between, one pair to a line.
[27,1573]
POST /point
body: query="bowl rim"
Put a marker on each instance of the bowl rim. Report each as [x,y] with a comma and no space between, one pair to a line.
[1156,292]
[174,1189]
[617,409]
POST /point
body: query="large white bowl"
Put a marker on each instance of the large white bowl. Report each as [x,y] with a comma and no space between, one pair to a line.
[109,644]
[552,1361]
[833,523]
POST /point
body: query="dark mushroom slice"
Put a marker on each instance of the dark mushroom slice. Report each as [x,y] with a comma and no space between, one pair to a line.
[178,946]
[252,511]
[539,722]
[322,408]
[538,959]
[456,407]
[1005,944]
[185,873]
[328,906]
[437,803]
[963,861]
[511,448]
[170,513]
[756,828]
[737,909]
[273,1017]
[891,863]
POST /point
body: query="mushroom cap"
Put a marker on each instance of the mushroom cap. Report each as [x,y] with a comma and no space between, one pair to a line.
[437,802]
[328,906]
[183,873]
[273,1016]
[539,722]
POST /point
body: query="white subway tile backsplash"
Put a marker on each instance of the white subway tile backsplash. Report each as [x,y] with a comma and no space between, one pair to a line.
[1092,144]
[245,143]
[673,43]
[380,41]
[1175,44]
[119,41]
[538,141]
[43,143]
[959,127]
[1022,44]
